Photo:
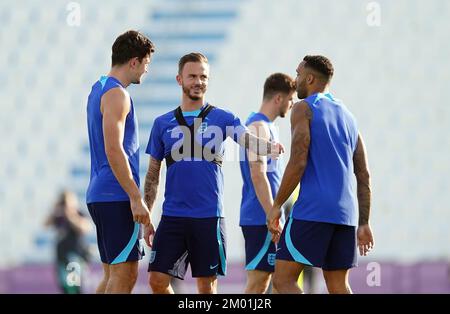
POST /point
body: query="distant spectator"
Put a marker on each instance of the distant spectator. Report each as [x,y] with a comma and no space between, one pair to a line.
[71,226]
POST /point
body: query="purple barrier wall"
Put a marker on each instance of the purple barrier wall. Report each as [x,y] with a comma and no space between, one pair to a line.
[424,277]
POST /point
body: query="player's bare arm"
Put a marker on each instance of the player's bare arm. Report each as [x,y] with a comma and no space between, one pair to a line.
[115,105]
[362,173]
[150,192]
[152,182]
[300,130]
[258,168]
[260,146]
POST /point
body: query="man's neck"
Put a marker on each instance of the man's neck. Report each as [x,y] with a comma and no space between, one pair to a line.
[268,110]
[319,89]
[188,104]
[119,74]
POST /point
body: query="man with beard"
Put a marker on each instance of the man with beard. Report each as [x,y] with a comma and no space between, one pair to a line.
[327,152]
[113,196]
[262,176]
[191,140]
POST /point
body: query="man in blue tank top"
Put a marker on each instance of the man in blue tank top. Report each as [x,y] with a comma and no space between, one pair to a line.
[329,157]
[191,141]
[262,176]
[113,197]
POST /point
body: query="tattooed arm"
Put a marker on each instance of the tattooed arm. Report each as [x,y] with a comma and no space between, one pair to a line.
[300,122]
[150,193]
[361,169]
[260,146]
[152,182]
[362,173]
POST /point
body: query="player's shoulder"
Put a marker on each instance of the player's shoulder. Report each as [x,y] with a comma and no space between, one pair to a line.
[258,123]
[259,127]
[116,98]
[257,119]
[110,86]
[301,110]
[351,118]
[108,82]
[223,112]
[164,118]
[301,106]
[343,108]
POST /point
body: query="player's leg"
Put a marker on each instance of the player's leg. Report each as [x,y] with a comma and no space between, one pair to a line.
[98,227]
[207,285]
[341,257]
[286,275]
[337,281]
[96,210]
[118,241]
[259,258]
[122,277]
[169,256]
[160,283]
[207,252]
[102,286]
[257,281]
[301,243]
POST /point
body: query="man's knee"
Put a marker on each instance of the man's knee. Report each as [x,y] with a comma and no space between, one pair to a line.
[158,282]
[257,287]
[278,282]
[206,285]
[258,282]
[338,287]
[336,282]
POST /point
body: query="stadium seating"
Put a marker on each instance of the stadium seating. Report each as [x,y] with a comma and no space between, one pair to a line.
[393,78]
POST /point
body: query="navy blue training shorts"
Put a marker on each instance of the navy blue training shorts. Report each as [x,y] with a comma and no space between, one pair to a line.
[180,241]
[118,236]
[319,244]
[259,248]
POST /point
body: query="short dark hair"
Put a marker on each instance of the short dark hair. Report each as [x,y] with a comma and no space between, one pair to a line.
[278,83]
[191,57]
[320,64]
[131,44]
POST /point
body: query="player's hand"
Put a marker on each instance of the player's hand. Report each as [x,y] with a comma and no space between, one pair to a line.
[276,149]
[149,232]
[273,223]
[365,239]
[141,214]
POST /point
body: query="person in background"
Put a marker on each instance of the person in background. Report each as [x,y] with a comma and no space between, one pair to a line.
[71,226]
[261,180]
